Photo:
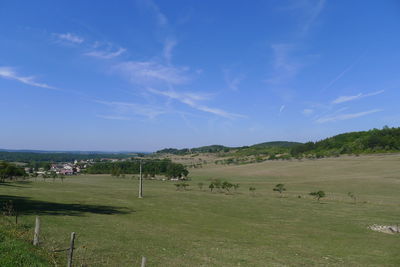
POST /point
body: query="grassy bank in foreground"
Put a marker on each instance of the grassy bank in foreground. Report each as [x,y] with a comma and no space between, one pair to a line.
[200,228]
[15,251]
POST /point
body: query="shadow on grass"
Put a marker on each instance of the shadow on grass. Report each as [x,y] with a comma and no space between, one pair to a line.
[27,206]
[23,182]
[9,184]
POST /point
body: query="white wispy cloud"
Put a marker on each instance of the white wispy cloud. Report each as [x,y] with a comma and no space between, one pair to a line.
[307,11]
[342,99]
[106,54]
[161,18]
[341,74]
[73,38]
[314,9]
[191,99]
[284,65]
[149,111]
[10,73]
[347,116]
[169,45]
[233,81]
[281,108]
[111,117]
[308,111]
[150,72]
[338,77]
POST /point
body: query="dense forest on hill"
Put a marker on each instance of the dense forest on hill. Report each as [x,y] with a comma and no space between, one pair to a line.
[372,141]
[265,149]
[149,167]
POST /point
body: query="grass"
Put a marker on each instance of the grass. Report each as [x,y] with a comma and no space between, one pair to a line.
[199,228]
[15,251]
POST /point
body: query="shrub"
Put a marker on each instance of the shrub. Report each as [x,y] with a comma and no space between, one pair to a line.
[211,186]
[181,186]
[318,194]
[227,186]
[279,188]
[352,196]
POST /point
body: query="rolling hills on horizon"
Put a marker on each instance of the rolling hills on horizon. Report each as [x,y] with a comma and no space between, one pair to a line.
[372,141]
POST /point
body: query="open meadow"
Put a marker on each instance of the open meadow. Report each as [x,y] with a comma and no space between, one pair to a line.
[197,227]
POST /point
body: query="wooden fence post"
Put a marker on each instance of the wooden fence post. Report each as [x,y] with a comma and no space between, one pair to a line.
[37,232]
[71,249]
[143,262]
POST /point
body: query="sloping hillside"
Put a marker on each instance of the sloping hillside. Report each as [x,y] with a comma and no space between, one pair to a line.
[372,141]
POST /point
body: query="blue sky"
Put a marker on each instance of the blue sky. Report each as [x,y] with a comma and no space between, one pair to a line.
[145,75]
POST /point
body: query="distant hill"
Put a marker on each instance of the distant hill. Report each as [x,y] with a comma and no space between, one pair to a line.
[71,151]
[46,156]
[372,141]
[262,148]
[202,149]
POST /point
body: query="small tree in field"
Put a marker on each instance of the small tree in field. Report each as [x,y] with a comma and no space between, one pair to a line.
[252,189]
[318,194]
[211,186]
[227,186]
[352,196]
[279,188]
[53,175]
[181,186]
[217,184]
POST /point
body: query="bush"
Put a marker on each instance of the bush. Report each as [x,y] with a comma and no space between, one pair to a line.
[318,194]
[211,186]
[279,188]
[352,196]
[181,186]
[227,186]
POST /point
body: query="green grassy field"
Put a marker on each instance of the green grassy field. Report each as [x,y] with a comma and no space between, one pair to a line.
[199,228]
[14,251]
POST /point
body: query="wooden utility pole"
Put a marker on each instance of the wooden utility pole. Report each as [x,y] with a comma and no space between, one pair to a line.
[143,262]
[140,180]
[37,232]
[71,249]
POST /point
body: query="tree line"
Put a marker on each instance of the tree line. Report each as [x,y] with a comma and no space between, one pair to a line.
[267,148]
[149,168]
[9,171]
[58,157]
